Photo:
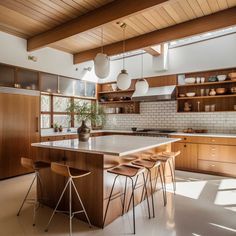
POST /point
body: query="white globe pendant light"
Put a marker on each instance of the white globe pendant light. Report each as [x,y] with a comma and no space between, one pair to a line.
[123,79]
[141,86]
[102,63]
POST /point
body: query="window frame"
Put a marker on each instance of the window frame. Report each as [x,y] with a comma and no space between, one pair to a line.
[52,113]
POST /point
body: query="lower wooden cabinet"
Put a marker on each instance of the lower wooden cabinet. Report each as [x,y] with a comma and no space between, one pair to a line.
[217,157]
[188,158]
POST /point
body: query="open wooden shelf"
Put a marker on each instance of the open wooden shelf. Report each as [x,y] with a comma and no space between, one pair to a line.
[207,83]
[118,91]
[207,97]
[122,101]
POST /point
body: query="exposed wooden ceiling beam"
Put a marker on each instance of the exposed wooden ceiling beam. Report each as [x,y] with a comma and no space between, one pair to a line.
[107,13]
[154,50]
[200,25]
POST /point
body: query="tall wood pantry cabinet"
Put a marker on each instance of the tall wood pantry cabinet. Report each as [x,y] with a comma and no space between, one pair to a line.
[19,127]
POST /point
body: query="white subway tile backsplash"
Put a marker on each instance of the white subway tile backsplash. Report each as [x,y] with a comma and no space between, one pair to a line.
[164,115]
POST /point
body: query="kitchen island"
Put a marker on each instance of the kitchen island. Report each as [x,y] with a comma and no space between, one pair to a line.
[92,155]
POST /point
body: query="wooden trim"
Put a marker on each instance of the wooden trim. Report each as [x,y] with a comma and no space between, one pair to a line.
[100,16]
[154,51]
[197,26]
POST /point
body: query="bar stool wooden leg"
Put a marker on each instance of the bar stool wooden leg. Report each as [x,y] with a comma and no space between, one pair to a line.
[164,182]
[172,175]
[152,192]
[162,185]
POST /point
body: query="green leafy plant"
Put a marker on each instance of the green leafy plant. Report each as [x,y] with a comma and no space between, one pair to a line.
[88,112]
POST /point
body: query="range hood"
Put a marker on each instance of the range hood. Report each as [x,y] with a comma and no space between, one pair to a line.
[163,93]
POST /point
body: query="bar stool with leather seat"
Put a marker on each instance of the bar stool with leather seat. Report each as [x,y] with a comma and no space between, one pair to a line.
[130,172]
[33,166]
[149,165]
[71,174]
[166,158]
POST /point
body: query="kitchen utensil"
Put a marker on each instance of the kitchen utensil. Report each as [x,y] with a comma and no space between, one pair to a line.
[233,90]
[213,107]
[212,92]
[202,80]
[198,80]
[190,80]
[190,94]
[207,108]
[212,79]
[114,87]
[202,91]
[232,76]
[221,77]
[181,95]
[198,106]
[220,90]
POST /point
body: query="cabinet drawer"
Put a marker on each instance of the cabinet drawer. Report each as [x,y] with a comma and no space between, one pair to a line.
[217,153]
[206,140]
[217,167]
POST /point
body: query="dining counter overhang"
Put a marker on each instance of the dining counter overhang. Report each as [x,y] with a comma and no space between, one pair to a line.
[94,189]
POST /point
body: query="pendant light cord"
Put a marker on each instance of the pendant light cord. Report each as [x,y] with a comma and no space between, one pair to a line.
[142,66]
[102,39]
[123,26]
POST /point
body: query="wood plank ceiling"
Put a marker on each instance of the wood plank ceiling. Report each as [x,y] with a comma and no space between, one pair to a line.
[26,18]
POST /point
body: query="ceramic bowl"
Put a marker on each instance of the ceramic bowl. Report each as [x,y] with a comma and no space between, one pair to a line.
[221,77]
[232,76]
[220,90]
[192,94]
[190,80]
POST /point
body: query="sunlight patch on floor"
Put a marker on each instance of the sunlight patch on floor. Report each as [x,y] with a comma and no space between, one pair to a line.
[223,227]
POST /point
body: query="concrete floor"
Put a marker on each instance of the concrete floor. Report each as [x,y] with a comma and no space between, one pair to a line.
[204,205]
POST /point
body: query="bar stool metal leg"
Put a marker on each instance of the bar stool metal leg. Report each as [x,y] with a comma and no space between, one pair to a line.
[134,226]
[54,211]
[123,207]
[26,196]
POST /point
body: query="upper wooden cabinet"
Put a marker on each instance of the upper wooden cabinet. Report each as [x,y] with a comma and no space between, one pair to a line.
[7,75]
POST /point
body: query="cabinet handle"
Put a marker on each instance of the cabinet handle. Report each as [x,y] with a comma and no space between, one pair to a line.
[213,140]
[185,145]
[185,138]
[212,165]
[37,125]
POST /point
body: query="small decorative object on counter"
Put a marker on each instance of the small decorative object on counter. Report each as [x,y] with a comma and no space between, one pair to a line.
[202,91]
[87,112]
[233,90]
[60,128]
[202,80]
[114,87]
[212,92]
[232,76]
[221,77]
[56,127]
[187,107]
[235,107]
[190,94]
[220,91]
[181,95]
[207,92]
[190,80]
[198,106]
[213,107]
[198,79]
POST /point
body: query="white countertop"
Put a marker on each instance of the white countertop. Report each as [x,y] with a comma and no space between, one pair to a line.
[118,145]
[50,132]
[215,135]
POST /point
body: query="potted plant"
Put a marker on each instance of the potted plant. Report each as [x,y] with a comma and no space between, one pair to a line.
[86,112]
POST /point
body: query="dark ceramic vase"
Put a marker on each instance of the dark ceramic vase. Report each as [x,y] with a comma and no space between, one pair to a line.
[83,132]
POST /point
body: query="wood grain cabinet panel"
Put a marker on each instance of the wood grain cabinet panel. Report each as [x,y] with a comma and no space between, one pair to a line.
[188,157]
[217,167]
[219,153]
[19,127]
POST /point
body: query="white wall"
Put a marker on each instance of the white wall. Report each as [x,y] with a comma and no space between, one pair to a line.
[13,51]
[206,55]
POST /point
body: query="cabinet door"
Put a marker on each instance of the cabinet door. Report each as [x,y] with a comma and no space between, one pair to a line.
[188,157]
[19,123]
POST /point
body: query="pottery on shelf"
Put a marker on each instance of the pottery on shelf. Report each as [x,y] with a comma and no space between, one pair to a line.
[83,132]
[187,106]
[212,92]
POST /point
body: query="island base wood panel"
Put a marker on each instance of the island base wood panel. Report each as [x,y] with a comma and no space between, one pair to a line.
[94,189]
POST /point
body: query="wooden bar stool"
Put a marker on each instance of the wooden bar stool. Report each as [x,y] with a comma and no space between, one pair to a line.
[149,165]
[34,167]
[166,158]
[71,174]
[131,172]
